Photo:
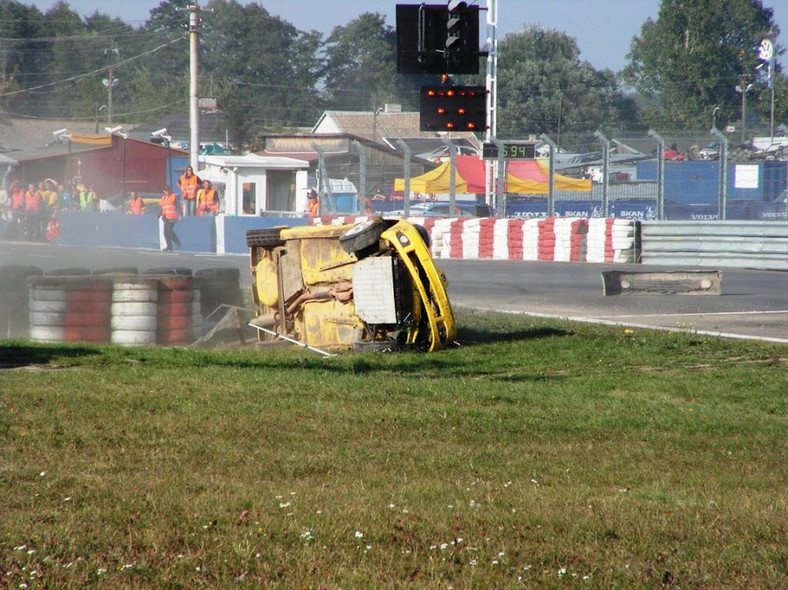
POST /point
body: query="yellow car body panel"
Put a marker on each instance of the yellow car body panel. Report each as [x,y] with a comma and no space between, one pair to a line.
[303,287]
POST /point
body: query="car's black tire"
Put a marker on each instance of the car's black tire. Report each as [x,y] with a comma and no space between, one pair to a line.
[269,237]
[363,235]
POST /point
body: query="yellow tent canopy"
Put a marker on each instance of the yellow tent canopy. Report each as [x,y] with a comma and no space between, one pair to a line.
[523,176]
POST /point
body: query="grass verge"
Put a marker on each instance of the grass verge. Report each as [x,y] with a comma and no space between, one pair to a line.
[536,453]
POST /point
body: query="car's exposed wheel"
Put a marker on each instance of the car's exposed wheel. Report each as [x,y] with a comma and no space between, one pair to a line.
[362,235]
[269,237]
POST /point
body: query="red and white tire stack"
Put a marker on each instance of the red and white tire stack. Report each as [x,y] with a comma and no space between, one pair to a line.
[70,309]
[134,311]
[545,239]
[612,240]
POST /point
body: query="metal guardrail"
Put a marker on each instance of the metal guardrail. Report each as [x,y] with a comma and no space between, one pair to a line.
[734,244]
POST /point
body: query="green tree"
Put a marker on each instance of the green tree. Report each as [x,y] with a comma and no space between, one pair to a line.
[543,87]
[691,59]
[24,57]
[261,69]
[361,65]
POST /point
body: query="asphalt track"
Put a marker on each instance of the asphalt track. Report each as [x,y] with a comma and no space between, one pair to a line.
[753,304]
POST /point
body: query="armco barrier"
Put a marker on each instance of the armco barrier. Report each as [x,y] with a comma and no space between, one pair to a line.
[737,244]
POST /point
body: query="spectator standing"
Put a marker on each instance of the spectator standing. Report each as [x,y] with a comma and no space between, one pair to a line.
[17,203]
[169,215]
[313,204]
[188,183]
[85,198]
[34,212]
[66,198]
[207,199]
[136,205]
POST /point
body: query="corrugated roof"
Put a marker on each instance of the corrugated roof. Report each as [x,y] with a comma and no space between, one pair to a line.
[382,126]
[27,134]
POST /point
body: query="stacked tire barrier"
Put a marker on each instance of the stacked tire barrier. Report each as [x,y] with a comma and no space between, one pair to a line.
[134,311]
[566,239]
[14,302]
[176,317]
[70,309]
[118,306]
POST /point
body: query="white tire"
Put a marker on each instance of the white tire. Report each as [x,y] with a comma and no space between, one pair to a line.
[44,305]
[47,318]
[134,322]
[47,333]
[44,294]
[134,308]
[124,294]
[133,337]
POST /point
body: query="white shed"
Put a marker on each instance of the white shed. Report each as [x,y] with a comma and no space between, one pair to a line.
[252,184]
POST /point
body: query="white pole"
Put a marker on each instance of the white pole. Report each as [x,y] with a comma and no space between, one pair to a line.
[194,112]
[492,92]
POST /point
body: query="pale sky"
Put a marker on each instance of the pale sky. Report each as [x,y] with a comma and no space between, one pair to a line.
[603,29]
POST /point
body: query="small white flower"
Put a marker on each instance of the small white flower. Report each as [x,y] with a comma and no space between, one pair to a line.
[284,504]
[561,572]
[444,546]
[359,534]
[101,571]
[43,473]
[21,548]
[473,562]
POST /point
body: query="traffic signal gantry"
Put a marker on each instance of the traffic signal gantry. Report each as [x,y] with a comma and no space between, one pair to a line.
[443,39]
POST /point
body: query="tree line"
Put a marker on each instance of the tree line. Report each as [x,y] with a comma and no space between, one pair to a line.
[265,73]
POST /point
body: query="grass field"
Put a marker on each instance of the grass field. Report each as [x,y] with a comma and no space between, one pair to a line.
[535,454]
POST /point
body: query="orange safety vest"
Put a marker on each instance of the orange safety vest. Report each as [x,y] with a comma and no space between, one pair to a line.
[18,200]
[33,201]
[189,185]
[207,202]
[135,207]
[168,208]
[313,207]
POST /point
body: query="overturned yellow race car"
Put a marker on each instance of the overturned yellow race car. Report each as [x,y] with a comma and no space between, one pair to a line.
[369,286]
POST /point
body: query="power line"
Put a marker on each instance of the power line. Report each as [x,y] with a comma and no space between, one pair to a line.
[93,72]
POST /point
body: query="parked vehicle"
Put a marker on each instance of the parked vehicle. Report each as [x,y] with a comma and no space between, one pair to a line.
[372,285]
[434,210]
[710,152]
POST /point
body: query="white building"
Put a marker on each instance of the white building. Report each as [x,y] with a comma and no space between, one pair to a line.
[251,184]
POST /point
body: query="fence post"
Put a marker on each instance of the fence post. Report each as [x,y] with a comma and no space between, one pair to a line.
[362,171]
[660,174]
[722,203]
[551,177]
[406,188]
[605,170]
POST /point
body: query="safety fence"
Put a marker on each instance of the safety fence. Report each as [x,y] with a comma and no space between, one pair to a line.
[736,244]
[550,239]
